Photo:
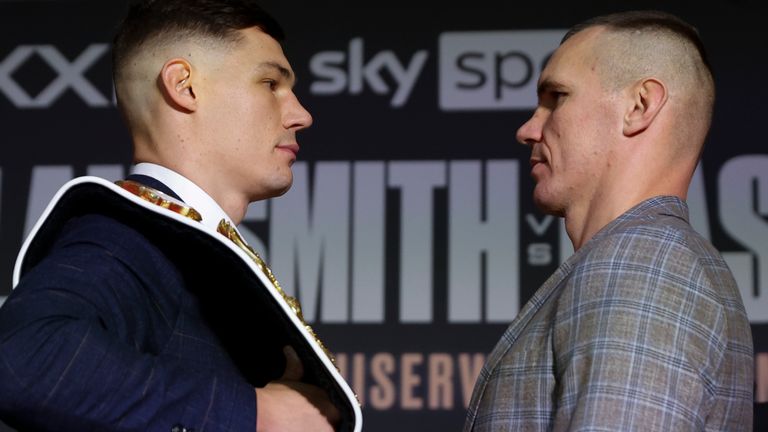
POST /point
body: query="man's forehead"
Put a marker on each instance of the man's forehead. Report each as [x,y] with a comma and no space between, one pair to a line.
[574,52]
[259,36]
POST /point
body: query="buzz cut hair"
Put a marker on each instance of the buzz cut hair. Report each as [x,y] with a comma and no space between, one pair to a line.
[654,44]
[652,20]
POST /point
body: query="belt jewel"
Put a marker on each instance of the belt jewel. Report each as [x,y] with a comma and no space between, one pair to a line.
[156,197]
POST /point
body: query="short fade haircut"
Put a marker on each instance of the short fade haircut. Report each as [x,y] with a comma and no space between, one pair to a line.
[646,20]
[639,44]
[167,21]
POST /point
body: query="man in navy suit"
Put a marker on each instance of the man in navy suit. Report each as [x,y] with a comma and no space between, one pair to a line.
[104,333]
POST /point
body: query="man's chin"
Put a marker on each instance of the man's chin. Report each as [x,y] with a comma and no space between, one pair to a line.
[285,187]
[273,190]
[548,206]
[282,192]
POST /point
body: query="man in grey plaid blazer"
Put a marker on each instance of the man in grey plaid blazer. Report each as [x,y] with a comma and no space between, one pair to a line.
[643,328]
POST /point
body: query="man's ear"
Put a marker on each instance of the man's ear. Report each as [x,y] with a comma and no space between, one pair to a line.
[648,97]
[176,84]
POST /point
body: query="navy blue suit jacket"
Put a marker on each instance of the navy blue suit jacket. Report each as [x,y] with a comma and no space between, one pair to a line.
[108,332]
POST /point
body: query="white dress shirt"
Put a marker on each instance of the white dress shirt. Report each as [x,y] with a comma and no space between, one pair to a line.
[190,193]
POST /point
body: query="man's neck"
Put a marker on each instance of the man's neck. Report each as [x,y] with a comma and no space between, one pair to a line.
[582,224]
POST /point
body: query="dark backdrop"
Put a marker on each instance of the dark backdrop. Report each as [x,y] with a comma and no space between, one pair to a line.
[411,215]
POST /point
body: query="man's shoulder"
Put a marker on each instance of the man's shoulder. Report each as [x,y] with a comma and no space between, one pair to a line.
[653,236]
[102,247]
[97,257]
[102,231]
[659,257]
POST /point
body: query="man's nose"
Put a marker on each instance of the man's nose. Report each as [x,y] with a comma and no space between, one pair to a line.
[296,117]
[530,131]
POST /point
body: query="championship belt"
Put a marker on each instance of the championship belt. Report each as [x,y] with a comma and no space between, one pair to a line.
[240,298]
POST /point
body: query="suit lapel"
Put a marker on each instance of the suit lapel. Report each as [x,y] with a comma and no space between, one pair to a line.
[513,332]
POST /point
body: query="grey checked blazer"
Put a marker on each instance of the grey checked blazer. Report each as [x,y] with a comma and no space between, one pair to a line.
[642,329]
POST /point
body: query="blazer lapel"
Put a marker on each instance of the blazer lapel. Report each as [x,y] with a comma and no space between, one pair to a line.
[514,331]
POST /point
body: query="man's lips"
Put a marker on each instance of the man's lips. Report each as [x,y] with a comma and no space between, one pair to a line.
[536,163]
[290,147]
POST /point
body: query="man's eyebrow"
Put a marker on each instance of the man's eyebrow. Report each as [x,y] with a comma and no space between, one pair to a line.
[282,70]
[547,85]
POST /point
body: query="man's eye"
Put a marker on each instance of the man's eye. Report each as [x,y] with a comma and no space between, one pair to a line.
[272,84]
[558,97]
[551,98]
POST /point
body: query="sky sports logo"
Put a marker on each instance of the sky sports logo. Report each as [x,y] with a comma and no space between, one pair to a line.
[494,70]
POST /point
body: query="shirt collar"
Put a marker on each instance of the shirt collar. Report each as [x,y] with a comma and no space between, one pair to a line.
[189,192]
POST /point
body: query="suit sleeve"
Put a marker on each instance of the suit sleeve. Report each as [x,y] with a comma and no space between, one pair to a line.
[71,360]
[638,340]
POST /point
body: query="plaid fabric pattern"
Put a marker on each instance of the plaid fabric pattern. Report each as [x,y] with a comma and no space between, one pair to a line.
[642,329]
